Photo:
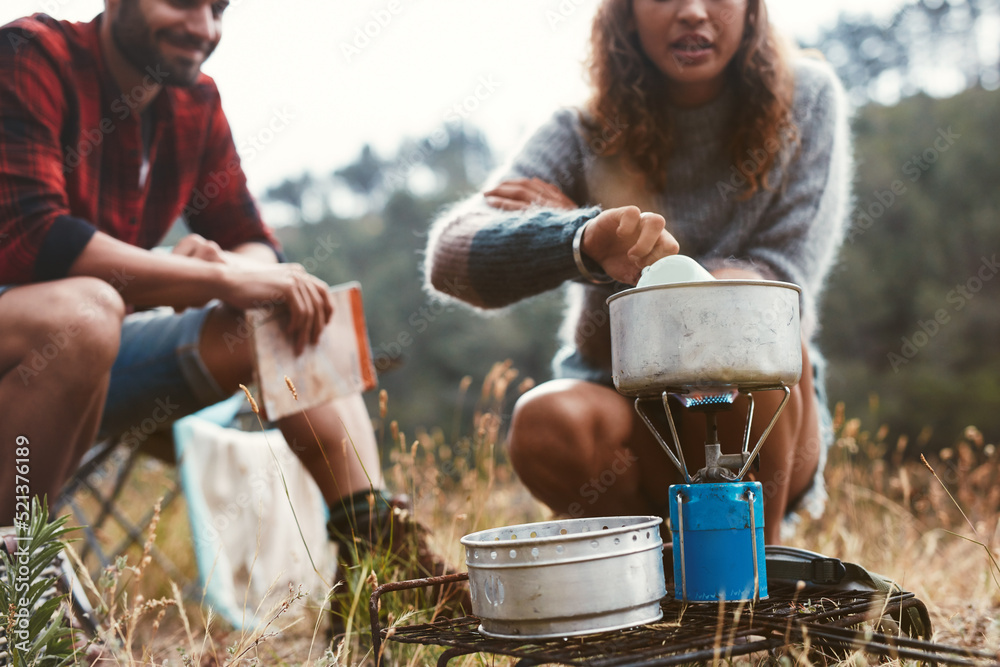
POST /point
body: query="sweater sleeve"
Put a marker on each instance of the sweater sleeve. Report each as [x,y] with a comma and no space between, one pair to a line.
[491,258]
[801,230]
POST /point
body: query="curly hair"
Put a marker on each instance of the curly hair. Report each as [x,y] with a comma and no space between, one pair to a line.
[628,88]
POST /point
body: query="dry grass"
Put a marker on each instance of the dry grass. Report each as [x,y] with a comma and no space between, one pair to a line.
[886,511]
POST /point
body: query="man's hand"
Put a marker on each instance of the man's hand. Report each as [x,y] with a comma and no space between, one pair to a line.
[307,297]
[520,193]
[198,247]
[625,240]
[250,283]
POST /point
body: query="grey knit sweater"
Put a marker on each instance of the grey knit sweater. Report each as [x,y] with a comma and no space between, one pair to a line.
[490,258]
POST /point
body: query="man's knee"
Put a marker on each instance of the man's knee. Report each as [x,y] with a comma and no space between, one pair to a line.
[91,318]
[80,325]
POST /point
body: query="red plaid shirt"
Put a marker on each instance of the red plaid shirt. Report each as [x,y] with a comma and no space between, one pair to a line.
[71,152]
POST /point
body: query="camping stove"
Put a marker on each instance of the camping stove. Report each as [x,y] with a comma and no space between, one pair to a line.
[698,346]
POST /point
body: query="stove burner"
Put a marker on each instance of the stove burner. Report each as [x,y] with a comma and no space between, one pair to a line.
[707,399]
[826,620]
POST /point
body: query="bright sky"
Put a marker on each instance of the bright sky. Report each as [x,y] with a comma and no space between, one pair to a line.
[306,82]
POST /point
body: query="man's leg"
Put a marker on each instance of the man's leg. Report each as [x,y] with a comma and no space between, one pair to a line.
[58,342]
[337,445]
[581,449]
[342,456]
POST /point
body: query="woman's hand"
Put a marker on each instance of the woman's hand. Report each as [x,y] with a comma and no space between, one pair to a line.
[625,240]
[520,193]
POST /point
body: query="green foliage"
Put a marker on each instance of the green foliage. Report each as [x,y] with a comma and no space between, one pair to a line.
[910,314]
[912,309]
[423,348]
[48,641]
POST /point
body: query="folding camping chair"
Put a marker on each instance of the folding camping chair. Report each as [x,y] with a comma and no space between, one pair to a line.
[102,476]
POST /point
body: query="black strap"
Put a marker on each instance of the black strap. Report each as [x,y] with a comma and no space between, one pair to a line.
[821,570]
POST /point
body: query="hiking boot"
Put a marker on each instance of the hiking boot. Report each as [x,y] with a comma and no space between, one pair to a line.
[76,612]
[390,529]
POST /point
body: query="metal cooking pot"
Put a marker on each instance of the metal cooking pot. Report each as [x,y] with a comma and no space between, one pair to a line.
[739,333]
[566,577]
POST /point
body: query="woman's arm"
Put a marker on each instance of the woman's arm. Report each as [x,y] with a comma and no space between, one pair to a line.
[516,239]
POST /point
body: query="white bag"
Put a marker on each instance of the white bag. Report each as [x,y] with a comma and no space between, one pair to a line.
[247,541]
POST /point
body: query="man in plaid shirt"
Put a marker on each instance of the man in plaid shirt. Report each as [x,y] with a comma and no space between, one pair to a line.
[108,132]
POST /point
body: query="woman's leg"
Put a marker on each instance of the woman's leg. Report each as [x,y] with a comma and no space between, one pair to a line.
[581,449]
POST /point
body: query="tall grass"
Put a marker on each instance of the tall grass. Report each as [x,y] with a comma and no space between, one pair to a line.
[886,511]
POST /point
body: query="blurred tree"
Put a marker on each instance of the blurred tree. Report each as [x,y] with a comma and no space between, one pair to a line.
[291,191]
[927,45]
[913,309]
[423,347]
[364,175]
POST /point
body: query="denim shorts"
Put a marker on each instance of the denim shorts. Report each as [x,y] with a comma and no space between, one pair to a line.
[158,376]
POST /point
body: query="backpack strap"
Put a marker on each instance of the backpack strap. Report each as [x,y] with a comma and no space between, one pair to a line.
[800,565]
[820,570]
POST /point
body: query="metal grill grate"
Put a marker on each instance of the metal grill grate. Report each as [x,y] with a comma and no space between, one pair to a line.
[825,619]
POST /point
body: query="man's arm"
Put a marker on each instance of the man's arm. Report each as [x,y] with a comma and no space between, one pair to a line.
[197,246]
[146,278]
[33,199]
[260,252]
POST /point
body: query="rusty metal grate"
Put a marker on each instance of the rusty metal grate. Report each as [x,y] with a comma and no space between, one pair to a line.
[824,619]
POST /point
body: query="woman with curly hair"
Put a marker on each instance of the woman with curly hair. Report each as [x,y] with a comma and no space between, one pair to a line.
[704,134]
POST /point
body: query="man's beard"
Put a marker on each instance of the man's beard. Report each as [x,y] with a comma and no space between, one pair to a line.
[134,40]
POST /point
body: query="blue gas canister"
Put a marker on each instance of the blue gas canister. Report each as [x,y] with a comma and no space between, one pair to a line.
[718,541]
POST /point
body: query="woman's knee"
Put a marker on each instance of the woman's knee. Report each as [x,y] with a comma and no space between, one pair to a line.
[534,426]
[561,423]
